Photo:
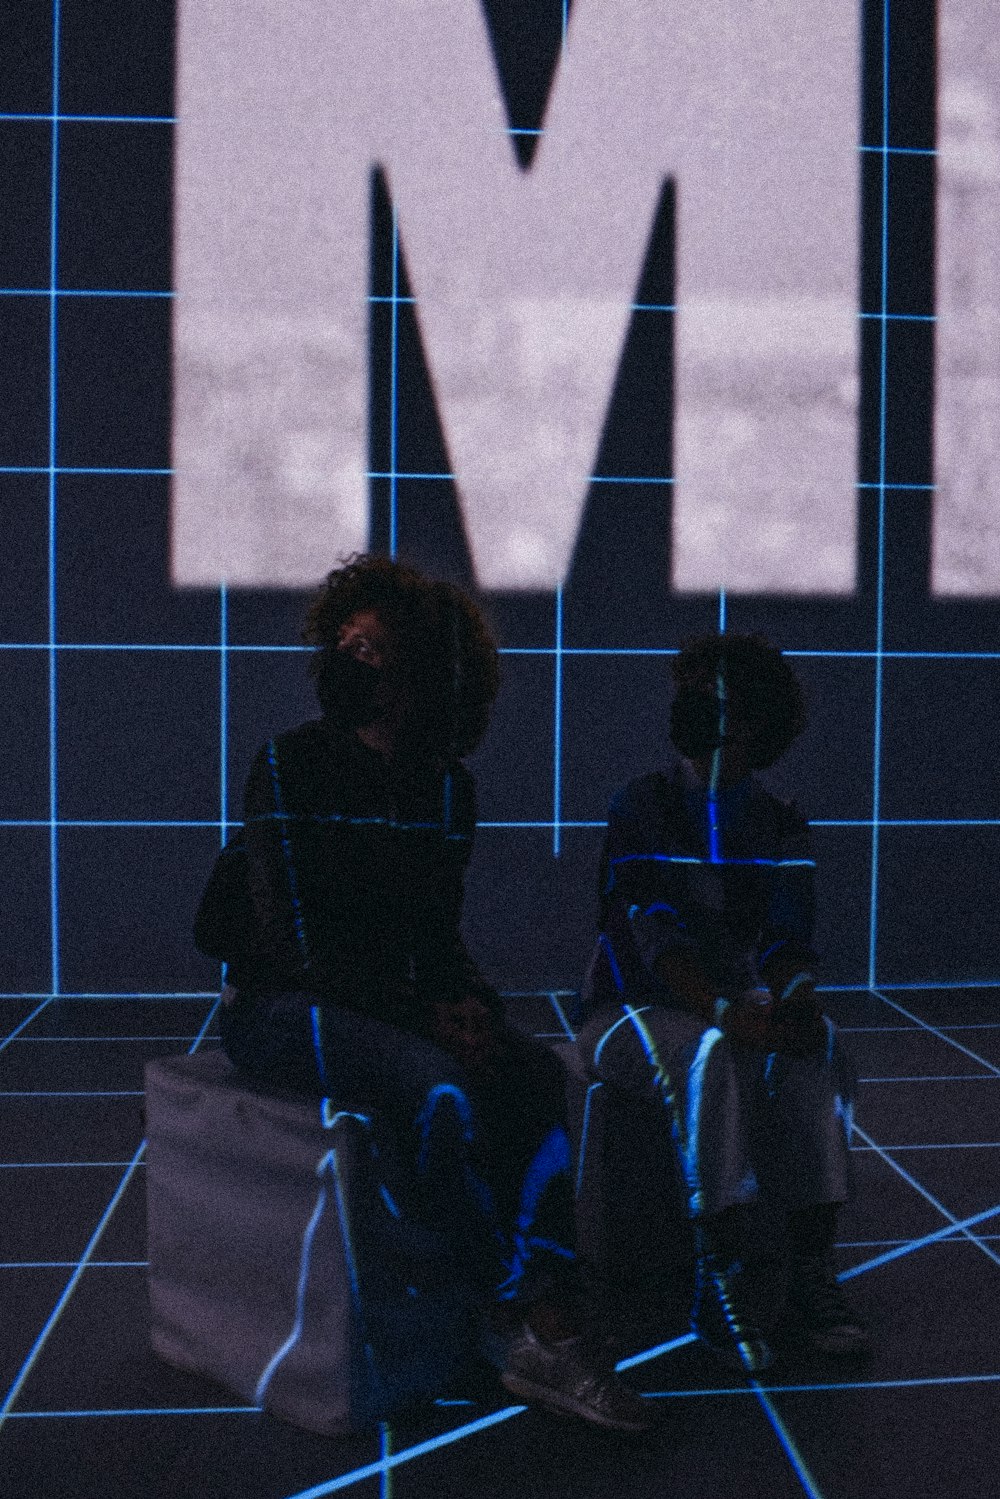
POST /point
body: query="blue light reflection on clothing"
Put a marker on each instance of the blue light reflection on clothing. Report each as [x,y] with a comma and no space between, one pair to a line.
[298,920]
[329,1118]
[551,1160]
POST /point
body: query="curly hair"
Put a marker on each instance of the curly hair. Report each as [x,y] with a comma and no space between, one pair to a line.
[446,651]
[760,686]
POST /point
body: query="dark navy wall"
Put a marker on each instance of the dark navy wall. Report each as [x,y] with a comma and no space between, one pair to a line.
[132,709]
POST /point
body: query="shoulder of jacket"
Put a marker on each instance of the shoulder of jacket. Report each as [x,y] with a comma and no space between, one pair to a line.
[785,811]
[643,793]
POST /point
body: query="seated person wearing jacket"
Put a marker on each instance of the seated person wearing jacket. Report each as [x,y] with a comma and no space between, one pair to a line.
[337,911]
[701,995]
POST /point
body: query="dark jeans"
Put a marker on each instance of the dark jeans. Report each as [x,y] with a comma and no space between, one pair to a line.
[483,1160]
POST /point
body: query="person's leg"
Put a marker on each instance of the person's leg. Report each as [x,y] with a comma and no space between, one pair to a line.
[546,1352]
[803,1161]
[690,1075]
[414,1094]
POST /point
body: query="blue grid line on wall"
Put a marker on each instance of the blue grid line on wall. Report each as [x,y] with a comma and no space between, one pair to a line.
[561,651]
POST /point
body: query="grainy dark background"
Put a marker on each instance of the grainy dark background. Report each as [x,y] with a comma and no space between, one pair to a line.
[153,724]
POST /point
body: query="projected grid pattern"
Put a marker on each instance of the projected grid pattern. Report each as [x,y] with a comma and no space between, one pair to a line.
[958,1062]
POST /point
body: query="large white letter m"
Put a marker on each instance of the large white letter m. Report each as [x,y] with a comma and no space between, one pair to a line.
[523,280]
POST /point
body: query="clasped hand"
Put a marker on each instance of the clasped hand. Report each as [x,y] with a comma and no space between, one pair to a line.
[793,1026]
[469,1030]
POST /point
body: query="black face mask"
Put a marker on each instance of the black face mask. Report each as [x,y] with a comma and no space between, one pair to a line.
[349,690]
[694,722]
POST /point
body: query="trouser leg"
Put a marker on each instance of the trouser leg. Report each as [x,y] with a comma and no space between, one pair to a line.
[523,1154]
[485,1159]
[739,1119]
[686,1071]
[802,1132]
[415,1095]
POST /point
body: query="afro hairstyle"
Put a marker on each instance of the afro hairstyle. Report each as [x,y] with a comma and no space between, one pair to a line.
[760,686]
[445,649]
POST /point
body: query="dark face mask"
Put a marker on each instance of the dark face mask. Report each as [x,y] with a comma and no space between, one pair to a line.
[350,688]
[694,722]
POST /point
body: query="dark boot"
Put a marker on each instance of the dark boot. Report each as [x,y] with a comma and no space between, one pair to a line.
[818,1311]
[722,1315]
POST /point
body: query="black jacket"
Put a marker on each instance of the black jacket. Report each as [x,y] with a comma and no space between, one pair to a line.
[347,880]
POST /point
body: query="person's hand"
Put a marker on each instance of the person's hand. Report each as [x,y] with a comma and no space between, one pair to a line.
[468,1029]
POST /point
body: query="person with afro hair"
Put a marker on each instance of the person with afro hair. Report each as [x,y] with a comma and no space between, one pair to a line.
[700,998]
[337,912]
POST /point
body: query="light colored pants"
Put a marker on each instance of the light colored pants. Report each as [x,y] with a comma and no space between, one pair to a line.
[742,1122]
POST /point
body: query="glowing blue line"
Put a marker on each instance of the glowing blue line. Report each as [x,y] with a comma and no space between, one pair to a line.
[557,727]
[207,1022]
[223,711]
[149,1410]
[108,822]
[939,1236]
[69,1264]
[651,1353]
[63,1166]
[71,1284]
[53,344]
[211,822]
[550,1160]
[393,387]
[722,611]
[385,1451]
[425,1117]
[880,583]
[300,1296]
[35,468]
[629,1015]
[187,647]
[95,119]
[901,150]
[407,1454]
[938,1145]
[931,1077]
[693,859]
[298,920]
[648,1394]
[28,468]
[785,1438]
[584,1134]
[949,1040]
[141,1037]
[554,1001]
[66,291]
[25,1022]
[118,994]
[692,1121]
[927,1196]
[901,317]
[811,1389]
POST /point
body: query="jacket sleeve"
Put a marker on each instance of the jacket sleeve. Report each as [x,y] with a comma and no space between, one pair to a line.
[224,923]
[641,884]
[277,832]
[787,934]
[446,968]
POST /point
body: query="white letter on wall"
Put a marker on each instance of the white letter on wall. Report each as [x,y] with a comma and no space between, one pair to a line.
[523,281]
[966,547]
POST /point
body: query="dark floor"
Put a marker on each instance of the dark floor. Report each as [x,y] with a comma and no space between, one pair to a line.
[88,1411]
